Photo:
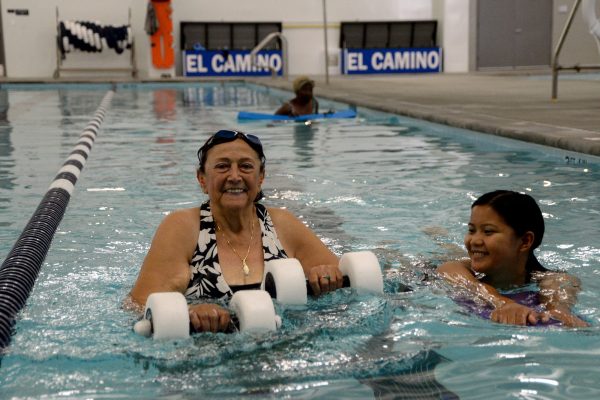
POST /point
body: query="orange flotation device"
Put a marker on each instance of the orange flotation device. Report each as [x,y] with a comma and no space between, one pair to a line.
[163,54]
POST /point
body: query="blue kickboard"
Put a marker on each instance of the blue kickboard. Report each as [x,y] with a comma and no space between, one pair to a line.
[246,115]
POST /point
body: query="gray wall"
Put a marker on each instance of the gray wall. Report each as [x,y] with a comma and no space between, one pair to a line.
[514,33]
[2,63]
[579,47]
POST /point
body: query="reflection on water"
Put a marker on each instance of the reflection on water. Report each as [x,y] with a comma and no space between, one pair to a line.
[303,141]
[164,104]
[224,95]
[7,162]
[78,103]
[3,105]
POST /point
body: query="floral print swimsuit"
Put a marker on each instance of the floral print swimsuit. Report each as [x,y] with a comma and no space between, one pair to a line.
[207,281]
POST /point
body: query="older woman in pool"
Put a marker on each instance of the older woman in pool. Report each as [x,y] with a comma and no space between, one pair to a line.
[183,255]
[504,229]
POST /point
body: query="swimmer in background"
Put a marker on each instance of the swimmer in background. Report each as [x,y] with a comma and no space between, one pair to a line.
[504,229]
[304,103]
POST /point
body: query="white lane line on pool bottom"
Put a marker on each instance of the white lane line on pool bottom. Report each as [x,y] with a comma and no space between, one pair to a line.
[117,189]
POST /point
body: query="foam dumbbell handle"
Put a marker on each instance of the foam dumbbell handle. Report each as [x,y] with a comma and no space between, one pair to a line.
[360,271]
[234,324]
[166,316]
[284,280]
[310,291]
[254,311]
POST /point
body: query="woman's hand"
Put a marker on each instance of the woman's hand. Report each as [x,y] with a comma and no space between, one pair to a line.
[517,314]
[209,318]
[324,278]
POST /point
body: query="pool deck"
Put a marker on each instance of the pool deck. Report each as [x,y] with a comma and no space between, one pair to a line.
[512,104]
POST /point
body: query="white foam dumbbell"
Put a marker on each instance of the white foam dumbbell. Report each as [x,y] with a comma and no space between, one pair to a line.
[284,280]
[166,316]
[363,271]
[254,311]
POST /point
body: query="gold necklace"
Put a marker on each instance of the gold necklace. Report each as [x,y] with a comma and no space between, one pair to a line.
[245,266]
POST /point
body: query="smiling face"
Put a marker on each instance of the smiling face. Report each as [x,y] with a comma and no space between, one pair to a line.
[232,175]
[495,249]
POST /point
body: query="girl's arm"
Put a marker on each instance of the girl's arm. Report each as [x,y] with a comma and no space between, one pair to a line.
[507,311]
[558,293]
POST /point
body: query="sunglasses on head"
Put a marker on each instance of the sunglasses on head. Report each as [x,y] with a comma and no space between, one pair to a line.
[224,136]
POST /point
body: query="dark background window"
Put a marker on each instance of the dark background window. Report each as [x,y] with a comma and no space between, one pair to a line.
[228,36]
[382,34]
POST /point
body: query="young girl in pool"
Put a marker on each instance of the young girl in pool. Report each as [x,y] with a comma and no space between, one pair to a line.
[504,229]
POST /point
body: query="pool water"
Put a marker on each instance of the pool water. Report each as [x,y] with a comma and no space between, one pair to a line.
[399,187]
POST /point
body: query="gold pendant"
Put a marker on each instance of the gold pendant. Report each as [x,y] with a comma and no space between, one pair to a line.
[245,268]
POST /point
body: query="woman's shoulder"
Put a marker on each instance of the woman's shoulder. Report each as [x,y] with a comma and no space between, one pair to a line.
[288,227]
[182,214]
[280,215]
[455,265]
[186,218]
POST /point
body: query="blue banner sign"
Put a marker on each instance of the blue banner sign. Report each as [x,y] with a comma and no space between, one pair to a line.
[231,63]
[391,61]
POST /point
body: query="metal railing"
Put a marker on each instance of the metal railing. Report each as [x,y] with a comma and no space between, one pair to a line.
[284,50]
[556,67]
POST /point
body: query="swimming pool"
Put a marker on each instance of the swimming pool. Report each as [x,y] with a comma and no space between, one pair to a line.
[377,183]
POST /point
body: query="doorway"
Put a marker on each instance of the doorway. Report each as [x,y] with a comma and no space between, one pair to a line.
[514,33]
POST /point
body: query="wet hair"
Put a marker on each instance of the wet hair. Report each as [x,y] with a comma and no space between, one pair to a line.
[520,212]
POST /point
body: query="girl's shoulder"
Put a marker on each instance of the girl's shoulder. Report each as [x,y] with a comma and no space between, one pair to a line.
[455,265]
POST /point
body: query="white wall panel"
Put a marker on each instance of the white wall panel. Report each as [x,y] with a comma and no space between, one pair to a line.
[456,35]
[30,41]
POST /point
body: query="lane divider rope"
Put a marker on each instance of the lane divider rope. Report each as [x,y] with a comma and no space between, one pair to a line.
[22,265]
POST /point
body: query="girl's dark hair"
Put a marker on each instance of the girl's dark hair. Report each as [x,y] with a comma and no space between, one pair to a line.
[520,212]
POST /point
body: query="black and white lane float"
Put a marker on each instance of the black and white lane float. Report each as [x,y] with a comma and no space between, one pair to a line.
[166,314]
